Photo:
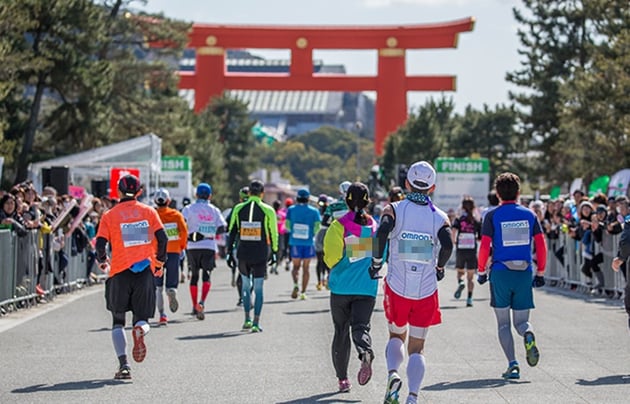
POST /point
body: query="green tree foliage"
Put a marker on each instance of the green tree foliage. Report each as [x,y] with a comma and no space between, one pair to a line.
[594,108]
[555,37]
[424,136]
[322,159]
[235,136]
[85,77]
[489,133]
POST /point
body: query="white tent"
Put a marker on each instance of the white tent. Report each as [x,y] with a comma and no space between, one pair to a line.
[143,153]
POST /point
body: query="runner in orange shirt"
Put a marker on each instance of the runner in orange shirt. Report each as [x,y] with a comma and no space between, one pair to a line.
[177,232]
[137,239]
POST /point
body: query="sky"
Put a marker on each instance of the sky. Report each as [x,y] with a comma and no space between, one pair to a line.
[480,62]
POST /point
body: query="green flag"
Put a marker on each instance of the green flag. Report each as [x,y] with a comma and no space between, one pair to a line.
[554,193]
[598,185]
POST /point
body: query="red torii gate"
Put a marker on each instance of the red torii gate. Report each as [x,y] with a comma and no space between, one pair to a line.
[391,83]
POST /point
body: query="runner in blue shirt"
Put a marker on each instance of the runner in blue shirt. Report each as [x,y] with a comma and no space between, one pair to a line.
[302,223]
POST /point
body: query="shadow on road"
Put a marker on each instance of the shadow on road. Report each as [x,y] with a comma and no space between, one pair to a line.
[214,336]
[320,398]
[293,313]
[473,384]
[68,386]
[601,381]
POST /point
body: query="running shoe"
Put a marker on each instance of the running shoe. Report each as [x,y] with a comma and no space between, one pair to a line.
[295,292]
[411,399]
[124,373]
[302,296]
[513,371]
[460,289]
[394,383]
[239,302]
[256,328]
[531,351]
[139,349]
[173,304]
[344,386]
[247,325]
[199,311]
[365,371]
[469,302]
[163,320]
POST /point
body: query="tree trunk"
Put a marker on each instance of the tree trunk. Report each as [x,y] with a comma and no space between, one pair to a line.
[29,133]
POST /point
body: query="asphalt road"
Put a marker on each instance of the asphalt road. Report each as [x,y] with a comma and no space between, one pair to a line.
[61,352]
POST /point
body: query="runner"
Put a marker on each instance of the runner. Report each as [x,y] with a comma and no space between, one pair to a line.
[347,251]
[465,239]
[177,232]
[420,244]
[322,269]
[338,208]
[237,281]
[621,258]
[130,228]
[254,223]
[509,230]
[303,223]
[204,223]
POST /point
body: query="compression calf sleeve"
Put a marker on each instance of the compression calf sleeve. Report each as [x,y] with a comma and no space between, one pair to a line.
[394,354]
[521,321]
[505,332]
[247,297]
[119,339]
[205,289]
[415,372]
[159,299]
[193,294]
[258,289]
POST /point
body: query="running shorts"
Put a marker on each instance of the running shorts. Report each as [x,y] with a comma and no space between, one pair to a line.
[466,259]
[511,289]
[249,268]
[131,291]
[416,312]
[302,251]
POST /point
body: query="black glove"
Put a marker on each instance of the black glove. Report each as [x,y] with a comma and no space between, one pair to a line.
[439,273]
[539,281]
[230,261]
[273,259]
[482,278]
[377,264]
[196,236]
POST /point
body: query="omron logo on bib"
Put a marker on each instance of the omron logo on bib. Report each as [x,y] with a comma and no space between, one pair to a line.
[415,247]
[515,233]
[136,233]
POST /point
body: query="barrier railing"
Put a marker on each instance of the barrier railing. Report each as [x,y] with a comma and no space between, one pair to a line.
[28,261]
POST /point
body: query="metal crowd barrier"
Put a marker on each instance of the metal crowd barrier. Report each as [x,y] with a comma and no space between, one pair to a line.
[564,270]
[22,259]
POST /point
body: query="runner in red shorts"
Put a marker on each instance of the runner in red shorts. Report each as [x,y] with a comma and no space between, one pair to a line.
[420,244]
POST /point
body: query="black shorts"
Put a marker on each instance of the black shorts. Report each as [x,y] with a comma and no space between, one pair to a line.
[466,259]
[130,291]
[201,258]
[248,268]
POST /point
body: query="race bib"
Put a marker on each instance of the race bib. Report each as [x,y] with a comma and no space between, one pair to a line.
[415,247]
[251,231]
[300,231]
[466,241]
[515,233]
[208,229]
[136,233]
[358,248]
[171,231]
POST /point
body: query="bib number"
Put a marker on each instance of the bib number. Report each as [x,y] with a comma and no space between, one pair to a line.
[466,241]
[251,231]
[171,231]
[300,231]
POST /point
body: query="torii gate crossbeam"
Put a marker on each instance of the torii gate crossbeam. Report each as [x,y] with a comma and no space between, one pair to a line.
[391,83]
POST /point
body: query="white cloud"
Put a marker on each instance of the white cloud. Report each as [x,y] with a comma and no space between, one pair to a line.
[388,3]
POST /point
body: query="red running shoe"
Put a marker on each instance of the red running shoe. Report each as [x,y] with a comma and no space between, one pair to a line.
[139,349]
[365,372]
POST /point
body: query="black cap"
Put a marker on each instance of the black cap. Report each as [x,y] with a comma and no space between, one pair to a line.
[129,185]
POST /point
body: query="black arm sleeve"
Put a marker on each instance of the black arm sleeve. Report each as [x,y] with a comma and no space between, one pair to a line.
[386,226]
[446,246]
[162,240]
[101,252]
